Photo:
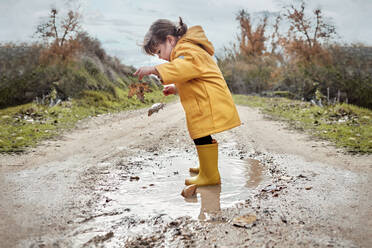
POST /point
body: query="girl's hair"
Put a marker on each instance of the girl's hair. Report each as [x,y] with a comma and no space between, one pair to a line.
[158,32]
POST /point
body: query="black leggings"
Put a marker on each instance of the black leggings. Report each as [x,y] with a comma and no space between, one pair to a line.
[203,140]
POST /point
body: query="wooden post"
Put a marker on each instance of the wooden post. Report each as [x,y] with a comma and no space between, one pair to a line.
[327,94]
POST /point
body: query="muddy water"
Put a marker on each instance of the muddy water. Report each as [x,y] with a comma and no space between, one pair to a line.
[159,184]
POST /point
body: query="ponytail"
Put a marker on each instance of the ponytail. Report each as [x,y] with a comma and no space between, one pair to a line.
[181,28]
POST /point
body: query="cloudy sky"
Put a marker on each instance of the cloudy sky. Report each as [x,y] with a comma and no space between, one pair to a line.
[121,24]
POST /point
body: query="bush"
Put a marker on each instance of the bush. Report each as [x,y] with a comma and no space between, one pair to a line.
[24,75]
[248,74]
[303,61]
[285,94]
[347,77]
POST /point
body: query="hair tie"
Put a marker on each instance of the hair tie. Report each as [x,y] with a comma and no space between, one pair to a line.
[178,30]
[180,27]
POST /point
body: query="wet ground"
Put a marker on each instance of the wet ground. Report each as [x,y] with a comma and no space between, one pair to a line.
[116,182]
[159,182]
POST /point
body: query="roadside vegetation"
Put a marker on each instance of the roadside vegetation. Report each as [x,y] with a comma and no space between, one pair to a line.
[294,51]
[47,86]
[25,125]
[288,64]
[347,126]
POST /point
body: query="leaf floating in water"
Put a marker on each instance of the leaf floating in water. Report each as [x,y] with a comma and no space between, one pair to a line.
[155,108]
[134,178]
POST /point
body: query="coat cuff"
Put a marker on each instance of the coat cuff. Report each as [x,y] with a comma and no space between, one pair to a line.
[162,74]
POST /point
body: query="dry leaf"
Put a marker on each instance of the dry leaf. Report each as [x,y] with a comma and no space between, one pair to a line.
[247,220]
[132,178]
[139,90]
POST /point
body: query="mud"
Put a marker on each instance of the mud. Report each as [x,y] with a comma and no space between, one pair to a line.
[116,180]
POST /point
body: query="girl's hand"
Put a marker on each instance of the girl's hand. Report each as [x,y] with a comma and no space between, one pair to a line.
[145,71]
[169,89]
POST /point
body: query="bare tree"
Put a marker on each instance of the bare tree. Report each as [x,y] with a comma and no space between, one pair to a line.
[67,28]
[306,33]
[60,34]
[251,42]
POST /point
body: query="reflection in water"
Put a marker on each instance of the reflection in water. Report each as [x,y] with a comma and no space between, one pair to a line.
[254,173]
[210,200]
[210,195]
[158,189]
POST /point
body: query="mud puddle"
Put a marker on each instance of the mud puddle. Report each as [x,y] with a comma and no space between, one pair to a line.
[142,196]
[155,189]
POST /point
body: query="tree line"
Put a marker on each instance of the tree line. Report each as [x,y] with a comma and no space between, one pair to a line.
[65,61]
[295,56]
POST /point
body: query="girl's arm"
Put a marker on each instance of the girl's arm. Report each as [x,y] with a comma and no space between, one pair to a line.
[186,66]
[148,70]
[145,71]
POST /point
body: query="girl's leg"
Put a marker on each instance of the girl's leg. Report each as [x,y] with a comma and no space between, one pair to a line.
[203,141]
[208,173]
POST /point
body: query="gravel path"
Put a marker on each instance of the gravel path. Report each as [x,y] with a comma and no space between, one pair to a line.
[74,191]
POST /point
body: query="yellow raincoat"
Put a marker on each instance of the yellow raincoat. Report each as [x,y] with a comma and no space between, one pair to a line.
[203,91]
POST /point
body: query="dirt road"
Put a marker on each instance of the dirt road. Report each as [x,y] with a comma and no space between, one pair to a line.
[115,181]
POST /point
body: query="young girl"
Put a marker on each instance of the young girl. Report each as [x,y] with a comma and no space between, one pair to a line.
[194,75]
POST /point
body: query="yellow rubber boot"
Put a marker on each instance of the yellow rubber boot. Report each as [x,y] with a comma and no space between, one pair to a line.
[194,170]
[208,166]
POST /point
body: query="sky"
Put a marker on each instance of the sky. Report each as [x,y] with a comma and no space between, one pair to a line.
[120,25]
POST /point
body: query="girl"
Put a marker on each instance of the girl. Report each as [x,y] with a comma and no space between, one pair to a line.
[194,75]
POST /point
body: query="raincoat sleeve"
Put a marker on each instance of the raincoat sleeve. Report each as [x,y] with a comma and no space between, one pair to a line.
[184,67]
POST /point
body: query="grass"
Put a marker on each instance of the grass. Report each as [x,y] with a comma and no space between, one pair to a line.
[25,125]
[346,125]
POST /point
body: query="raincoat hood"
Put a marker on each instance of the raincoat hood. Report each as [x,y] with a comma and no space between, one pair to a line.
[197,36]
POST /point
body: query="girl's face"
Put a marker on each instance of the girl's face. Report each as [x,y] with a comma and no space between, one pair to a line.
[164,50]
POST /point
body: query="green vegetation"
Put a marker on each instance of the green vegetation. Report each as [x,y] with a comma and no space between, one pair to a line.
[68,78]
[88,84]
[46,87]
[25,125]
[346,125]
[296,53]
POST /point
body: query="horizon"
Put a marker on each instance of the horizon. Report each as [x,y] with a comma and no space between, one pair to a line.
[121,25]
